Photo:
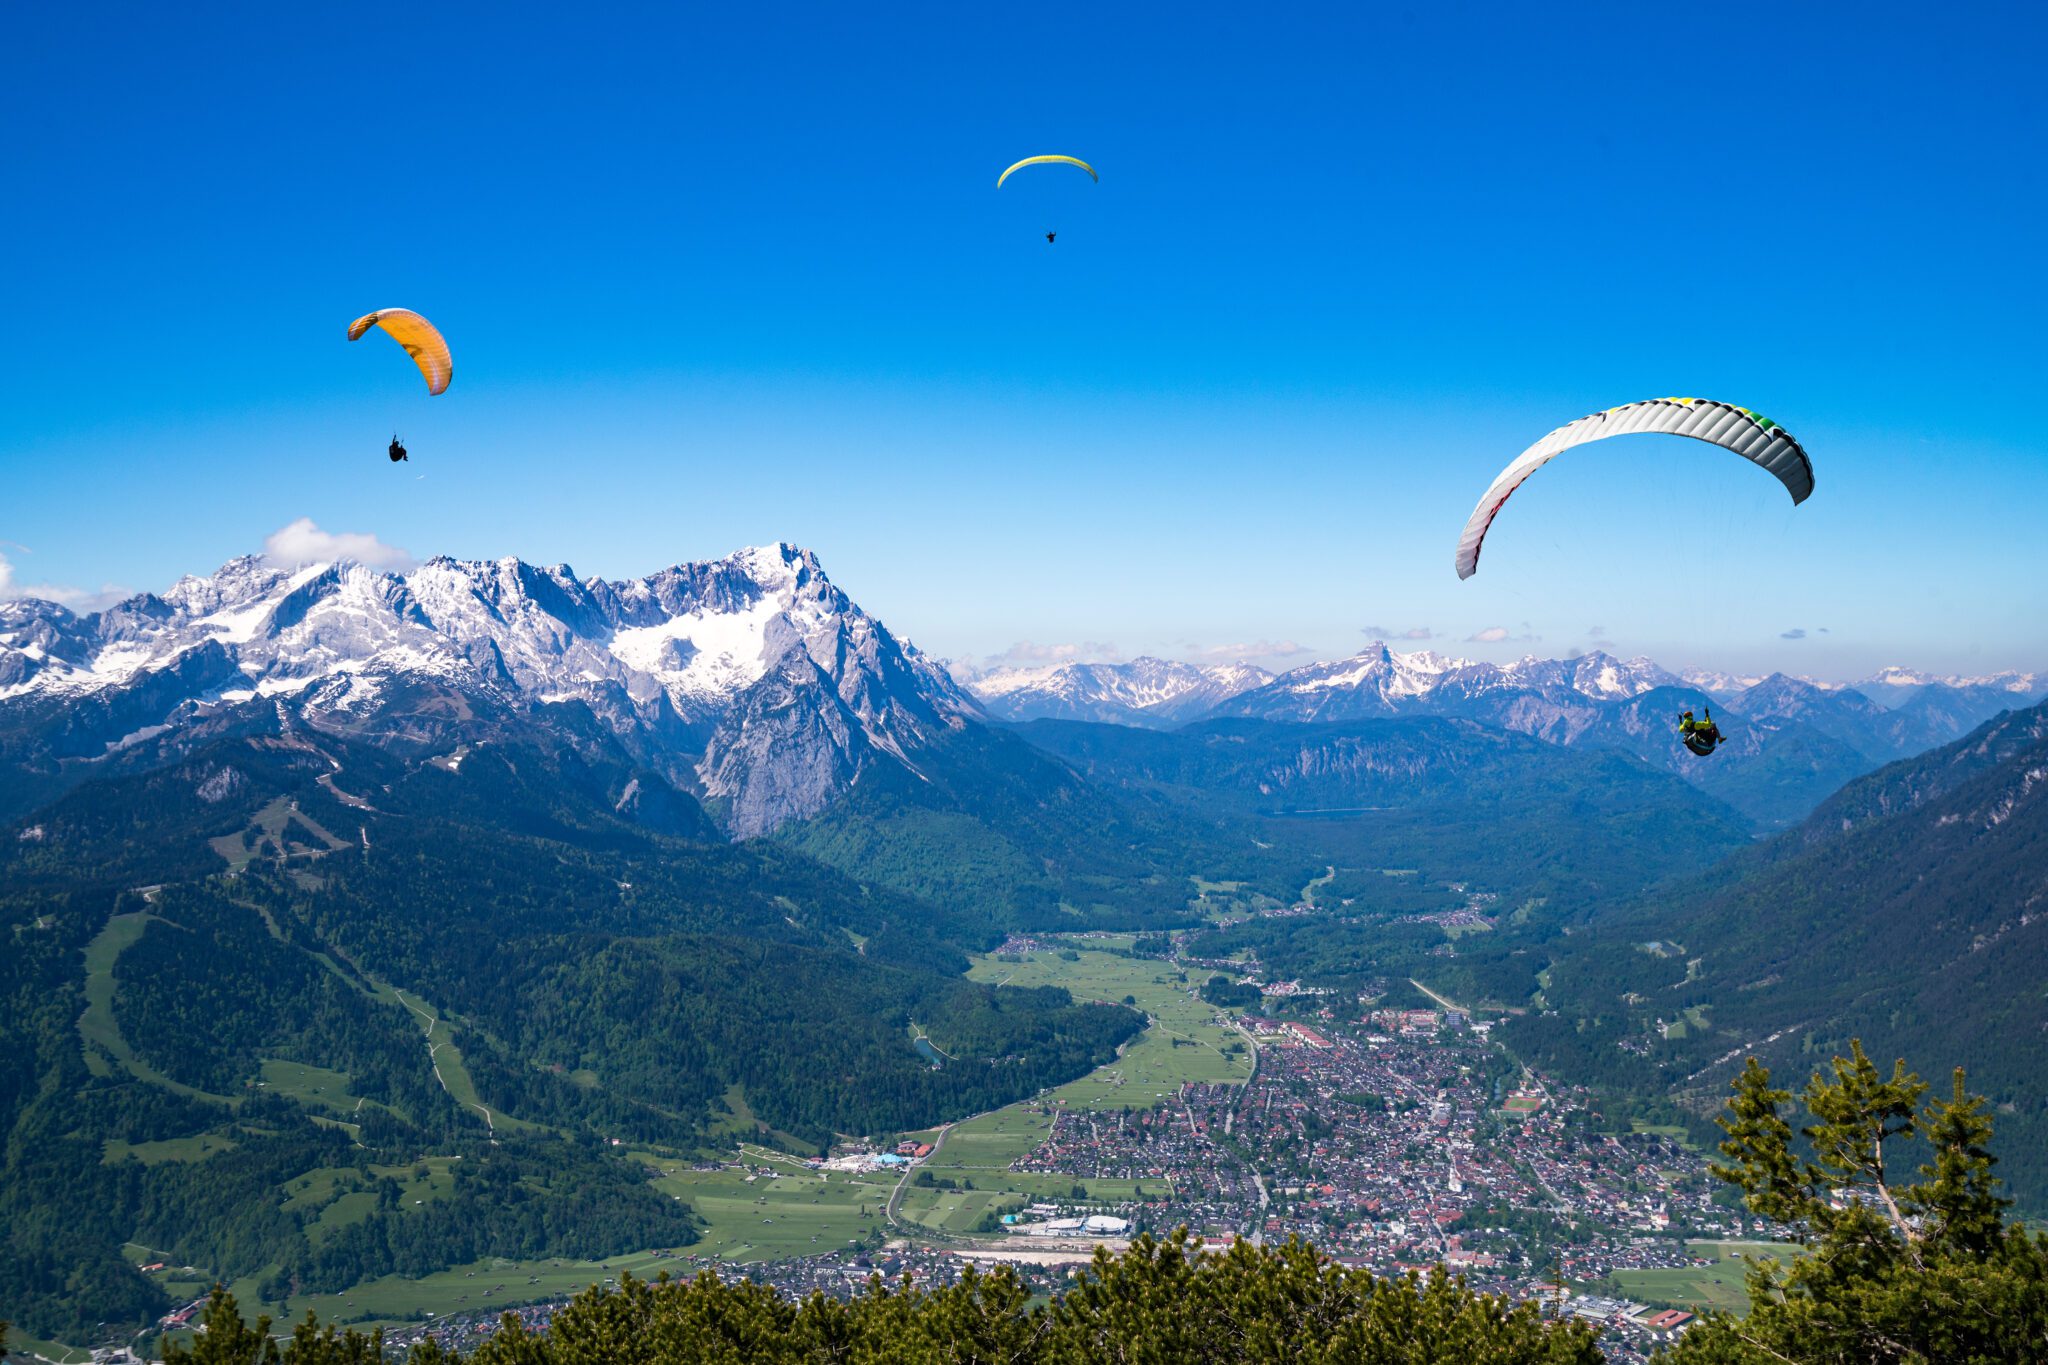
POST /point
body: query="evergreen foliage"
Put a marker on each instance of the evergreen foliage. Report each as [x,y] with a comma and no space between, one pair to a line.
[1159,1303]
[1908,1263]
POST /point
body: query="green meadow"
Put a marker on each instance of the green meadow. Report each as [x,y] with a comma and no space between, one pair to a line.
[1718,1287]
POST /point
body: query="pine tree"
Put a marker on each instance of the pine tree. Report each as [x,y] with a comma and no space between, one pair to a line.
[1893,1269]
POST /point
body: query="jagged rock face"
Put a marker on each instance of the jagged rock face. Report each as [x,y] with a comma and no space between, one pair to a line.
[752,678]
[1145,691]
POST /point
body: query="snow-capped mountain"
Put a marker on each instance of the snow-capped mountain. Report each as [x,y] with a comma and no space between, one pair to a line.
[1897,686]
[1145,691]
[751,679]
[1383,682]
[1720,685]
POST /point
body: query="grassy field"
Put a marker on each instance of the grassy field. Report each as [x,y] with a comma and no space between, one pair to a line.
[99,1032]
[196,1148]
[279,827]
[47,1350]
[796,1212]
[339,1196]
[316,1087]
[1697,1288]
[455,1078]
[1182,1044]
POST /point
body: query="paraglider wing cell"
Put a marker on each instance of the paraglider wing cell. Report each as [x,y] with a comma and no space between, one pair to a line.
[1756,438]
[1046,160]
[421,340]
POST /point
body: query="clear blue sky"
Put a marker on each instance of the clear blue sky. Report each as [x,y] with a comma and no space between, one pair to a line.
[718,278]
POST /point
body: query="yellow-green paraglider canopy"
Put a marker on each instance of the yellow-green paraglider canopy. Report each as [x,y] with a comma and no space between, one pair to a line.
[1043,160]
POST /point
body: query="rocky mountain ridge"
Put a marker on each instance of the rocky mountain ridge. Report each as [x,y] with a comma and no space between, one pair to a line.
[751,680]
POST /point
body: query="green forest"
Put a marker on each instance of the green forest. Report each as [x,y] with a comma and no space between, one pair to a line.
[498,975]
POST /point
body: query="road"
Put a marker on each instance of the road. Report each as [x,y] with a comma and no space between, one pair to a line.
[903,1183]
[1441,1000]
[1258,1237]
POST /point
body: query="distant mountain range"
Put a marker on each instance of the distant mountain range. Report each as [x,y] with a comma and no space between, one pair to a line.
[1380,681]
[1792,741]
[1158,693]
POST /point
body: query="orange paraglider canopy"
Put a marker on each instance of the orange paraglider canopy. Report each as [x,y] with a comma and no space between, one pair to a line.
[426,346]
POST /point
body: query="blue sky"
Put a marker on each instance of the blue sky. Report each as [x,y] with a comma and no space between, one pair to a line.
[719,278]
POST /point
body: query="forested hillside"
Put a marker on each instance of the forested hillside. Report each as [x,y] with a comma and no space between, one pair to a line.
[305,1011]
[1452,799]
[993,822]
[1910,910]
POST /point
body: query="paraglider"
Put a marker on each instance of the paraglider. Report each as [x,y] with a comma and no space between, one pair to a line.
[422,341]
[1048,160]
[1754,437]
[1700,736]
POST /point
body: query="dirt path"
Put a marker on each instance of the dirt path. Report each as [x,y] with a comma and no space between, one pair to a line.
[434,1047]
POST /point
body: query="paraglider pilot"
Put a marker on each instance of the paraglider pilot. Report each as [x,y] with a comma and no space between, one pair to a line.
[1700,736]
[397,450]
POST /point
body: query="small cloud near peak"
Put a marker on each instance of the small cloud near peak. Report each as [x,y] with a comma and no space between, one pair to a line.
[1247,652]
[304,542]
[1027,654]
[1494,635]
[82,600]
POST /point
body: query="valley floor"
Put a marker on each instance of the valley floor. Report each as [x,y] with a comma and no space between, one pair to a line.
[1390,1137]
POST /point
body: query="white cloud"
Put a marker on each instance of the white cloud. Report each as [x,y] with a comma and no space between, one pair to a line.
[1026,653]
[303,542]
[1494,635]
[77,599]
[1245,653]
[1412,633]
[1796,633]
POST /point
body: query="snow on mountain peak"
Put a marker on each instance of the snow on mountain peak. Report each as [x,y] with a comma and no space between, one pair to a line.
[1144,691]
[669,662]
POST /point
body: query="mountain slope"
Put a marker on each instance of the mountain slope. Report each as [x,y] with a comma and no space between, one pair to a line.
[1910,910]
[588,969]
[992,821]
[1462,800]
